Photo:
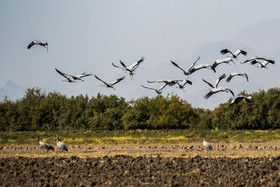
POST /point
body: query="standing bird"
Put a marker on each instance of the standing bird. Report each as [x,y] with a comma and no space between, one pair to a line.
[234,55]
[36,42]
[61,145]
[130,69]
[221,61]
[237,74]
[158,91]
[190,70]
[45,145]
[206,144]
[262,64]
[110,85]
[240,98]
[215,88]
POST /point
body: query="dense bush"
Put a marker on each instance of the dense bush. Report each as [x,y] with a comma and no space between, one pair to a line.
[53,111]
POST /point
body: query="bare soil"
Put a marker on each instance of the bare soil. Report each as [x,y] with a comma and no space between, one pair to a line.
[246,164]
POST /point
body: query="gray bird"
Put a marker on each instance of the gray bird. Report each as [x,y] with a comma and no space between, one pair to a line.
[192,68]
[130,69]
[237,74]
[240,98]
[45,145]
[158,90]
[61,145]
[36,42]
[262,64]
[221,61]
[110,85]
[206,144]
[234,55]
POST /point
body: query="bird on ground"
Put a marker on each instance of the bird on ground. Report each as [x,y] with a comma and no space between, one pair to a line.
[237,74]
[234,55]
[262,64]
[130,69]
[206,144]
[61,145]
[240,98]
[36,42]
[73,78]
[191,69]
[215,88]
[158,90]
[45,145]
[256,58]
[221,61]
[110,85]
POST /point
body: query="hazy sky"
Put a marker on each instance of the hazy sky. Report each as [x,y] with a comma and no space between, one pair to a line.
[89,35]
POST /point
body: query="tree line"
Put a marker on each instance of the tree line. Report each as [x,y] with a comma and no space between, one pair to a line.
[40,111]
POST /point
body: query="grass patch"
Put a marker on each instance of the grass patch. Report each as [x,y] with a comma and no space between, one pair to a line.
[141,136]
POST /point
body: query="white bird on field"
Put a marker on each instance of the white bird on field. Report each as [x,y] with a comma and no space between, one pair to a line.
[45,145]
[262,64]
[215,88]
[240,98]
[206,144]
[110,85]
[234,55]
[61,145]
[158,90]
[130,69]
[237,74]
[221,61]
[36,42]
[191,69]
[73,78]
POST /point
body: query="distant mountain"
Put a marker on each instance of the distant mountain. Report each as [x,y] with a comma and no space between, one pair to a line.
[12,91]
[263,37]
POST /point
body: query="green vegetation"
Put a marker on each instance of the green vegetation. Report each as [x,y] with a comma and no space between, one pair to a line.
[51,112]
[141,136]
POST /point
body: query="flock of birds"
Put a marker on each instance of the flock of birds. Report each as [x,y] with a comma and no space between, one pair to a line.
[181,83]
[60,145]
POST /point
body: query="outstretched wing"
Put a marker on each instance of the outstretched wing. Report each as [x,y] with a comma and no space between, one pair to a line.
[34,42]
[178,66]
[219,80]
[63,74]
[193,64]
[211,85]
[101,80]
[118,80]
[225,51]
[116,65]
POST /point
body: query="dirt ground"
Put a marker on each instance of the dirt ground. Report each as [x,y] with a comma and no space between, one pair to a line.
[234,164]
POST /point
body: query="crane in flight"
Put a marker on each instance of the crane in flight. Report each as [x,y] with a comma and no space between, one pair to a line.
[240,98]
[36,42]
[110,85]
[72,78]
[215,89]
[235,54]
[130,69]
[237,74]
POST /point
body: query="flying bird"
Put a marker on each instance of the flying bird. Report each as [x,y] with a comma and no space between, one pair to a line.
[73,78]
[130,69]
[109,85]
[183,83]
[221,61]
[256,58]
[158,91]
[240,98]
[237,74]
[234,55]
[187,71]
[61,145]
[215,88]
[45,145]
[36,42]
[170,82]
[262,64]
